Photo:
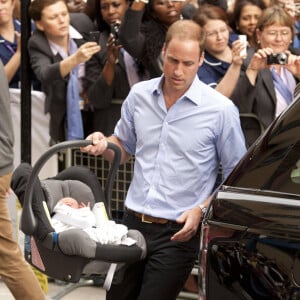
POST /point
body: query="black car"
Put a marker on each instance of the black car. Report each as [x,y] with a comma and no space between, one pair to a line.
[250,237]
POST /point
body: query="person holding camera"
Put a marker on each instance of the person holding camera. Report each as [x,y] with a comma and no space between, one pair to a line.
[143,30]
[244,17]
[224,52]
[267,85]
[111,72]
[58,52]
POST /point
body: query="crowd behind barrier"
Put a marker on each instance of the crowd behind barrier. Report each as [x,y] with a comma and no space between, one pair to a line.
[130,51]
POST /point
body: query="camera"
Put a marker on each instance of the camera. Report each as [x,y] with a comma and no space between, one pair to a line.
[114,30]
[277,59]
[95,36]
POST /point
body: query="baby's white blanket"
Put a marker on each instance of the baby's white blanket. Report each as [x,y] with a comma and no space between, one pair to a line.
[106,232]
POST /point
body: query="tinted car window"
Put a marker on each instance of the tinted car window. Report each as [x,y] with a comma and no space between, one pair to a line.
[274,167]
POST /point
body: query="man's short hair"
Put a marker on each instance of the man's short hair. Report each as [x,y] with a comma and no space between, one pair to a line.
[186,30]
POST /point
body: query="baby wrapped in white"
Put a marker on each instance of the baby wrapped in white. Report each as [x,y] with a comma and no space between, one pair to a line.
[68,213]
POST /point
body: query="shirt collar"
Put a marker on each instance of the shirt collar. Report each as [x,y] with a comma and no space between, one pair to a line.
[191,94]
[74,34]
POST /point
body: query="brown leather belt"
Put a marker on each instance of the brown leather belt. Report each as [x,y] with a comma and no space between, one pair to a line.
[148,219]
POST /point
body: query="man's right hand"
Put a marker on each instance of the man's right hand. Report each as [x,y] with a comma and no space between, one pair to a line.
[99,144]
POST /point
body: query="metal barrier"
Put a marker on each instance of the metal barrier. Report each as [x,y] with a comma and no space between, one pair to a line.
[100,167]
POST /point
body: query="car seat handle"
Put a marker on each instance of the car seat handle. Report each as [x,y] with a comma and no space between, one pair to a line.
[28,221]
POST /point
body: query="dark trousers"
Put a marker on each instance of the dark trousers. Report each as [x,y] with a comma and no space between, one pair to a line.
[168,264]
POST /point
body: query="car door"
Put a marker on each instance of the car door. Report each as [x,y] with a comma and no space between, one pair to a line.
[250,241]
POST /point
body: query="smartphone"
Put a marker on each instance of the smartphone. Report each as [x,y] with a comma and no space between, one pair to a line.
[114,30]
[95,36]
[243,39]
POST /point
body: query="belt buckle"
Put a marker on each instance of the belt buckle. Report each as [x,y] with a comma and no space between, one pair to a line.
[145,221]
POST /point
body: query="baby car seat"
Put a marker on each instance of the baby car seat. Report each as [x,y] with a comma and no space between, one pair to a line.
[69,255]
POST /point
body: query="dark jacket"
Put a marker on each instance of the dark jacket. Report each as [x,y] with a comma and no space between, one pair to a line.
[106,99]
[259,99]
[45,65]
[143,40]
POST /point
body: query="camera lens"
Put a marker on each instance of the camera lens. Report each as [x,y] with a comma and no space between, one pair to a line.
[282,58]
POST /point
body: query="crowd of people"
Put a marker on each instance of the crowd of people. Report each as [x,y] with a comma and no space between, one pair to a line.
[168,82]
[128,50]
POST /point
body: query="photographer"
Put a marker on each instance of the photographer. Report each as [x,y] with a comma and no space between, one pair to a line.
[223,56]
[266,87]
[108,77]
[57,53]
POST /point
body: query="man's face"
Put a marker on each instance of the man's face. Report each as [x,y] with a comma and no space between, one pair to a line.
[181,62]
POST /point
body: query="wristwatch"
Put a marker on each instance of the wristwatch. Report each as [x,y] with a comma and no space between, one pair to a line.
[144,1]
[203,209]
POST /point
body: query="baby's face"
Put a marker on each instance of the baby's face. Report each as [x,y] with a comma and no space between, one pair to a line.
[70,202]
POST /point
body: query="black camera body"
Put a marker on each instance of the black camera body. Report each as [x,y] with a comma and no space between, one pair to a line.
[277,59]
[114,30]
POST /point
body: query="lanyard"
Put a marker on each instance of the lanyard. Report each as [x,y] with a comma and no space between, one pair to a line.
[8,46]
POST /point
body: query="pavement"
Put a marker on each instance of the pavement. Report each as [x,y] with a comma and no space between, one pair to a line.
[82,290]
[56,291]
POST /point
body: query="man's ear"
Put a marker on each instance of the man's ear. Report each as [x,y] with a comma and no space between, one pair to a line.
[163,51]
[39,25]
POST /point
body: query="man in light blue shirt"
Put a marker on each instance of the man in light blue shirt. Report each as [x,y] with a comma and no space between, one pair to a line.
[179,130]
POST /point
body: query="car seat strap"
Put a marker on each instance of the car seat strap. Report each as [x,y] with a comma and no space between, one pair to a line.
[109,276]
[54,239]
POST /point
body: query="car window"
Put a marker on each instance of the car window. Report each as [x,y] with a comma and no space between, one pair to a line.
[277,170]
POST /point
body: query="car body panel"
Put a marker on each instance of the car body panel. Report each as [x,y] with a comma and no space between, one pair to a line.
[250,237]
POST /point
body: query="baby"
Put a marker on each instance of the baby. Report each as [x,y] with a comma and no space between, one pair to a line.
[68,213]
[69,201]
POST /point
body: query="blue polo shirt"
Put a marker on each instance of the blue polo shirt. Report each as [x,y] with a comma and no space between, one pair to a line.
[296,43]
[213,69]
[7,50]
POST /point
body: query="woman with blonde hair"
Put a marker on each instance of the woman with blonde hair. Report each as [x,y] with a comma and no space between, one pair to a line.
[266,88]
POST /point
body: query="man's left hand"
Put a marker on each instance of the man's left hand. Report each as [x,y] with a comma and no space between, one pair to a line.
[191,219]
